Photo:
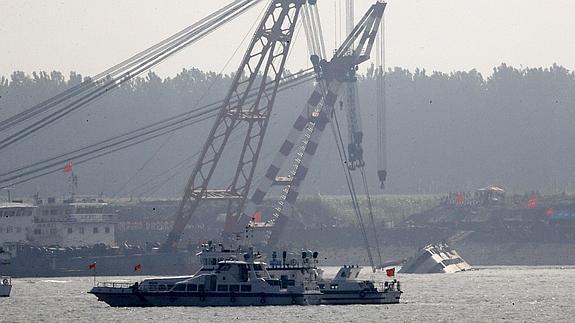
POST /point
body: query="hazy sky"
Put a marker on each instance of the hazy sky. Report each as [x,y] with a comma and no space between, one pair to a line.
[445,35]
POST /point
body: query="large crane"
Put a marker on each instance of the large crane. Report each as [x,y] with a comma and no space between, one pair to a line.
[303,140]
[263,62]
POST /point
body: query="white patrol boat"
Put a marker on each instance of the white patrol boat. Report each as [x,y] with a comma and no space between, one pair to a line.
[5,286]
[345,288]
[232,283]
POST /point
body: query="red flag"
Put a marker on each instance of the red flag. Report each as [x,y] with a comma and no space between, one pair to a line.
[390,272]
[92,266]
[68,167]
[549,212]
[258,217]
[138,268]
[460,198]
[532,202]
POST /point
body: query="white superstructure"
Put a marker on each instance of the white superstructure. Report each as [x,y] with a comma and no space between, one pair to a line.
[16,221]
[74,222]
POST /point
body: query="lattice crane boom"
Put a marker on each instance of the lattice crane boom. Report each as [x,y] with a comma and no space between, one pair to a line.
[303,140]
[264,60]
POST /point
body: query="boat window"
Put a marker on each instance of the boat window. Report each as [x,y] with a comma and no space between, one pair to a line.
[224,267]
[161,287]
[258,267]
[180,288]
[95,230]
[192,287]
[69,230]
[82,230]
[274,282]
[222,288]
[234,288]
[244,273]
[107,229]
[246,288]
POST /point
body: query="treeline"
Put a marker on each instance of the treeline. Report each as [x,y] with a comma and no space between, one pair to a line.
[447,132]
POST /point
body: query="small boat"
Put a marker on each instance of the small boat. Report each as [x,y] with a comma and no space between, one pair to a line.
[5,286]
[345,288]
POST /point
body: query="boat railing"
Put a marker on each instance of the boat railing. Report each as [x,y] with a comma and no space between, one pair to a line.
[114,284]
[5,280]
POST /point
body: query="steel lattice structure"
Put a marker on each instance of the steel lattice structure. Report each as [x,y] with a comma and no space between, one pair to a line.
[264,60]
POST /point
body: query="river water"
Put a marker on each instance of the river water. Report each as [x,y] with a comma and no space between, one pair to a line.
[543,294]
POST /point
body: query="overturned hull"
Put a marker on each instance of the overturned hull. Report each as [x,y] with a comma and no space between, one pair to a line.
[438,258]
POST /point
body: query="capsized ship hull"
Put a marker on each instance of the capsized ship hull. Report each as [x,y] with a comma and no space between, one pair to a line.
[435,259]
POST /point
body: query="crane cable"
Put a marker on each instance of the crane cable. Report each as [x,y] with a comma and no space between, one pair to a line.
[351,187]
[119,75]
[135,137]
[111,72]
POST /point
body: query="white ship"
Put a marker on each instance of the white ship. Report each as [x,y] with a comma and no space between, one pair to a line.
[438,258]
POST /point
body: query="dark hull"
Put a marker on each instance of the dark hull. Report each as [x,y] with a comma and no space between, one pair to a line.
[169,264]
[127,298]
[365,298]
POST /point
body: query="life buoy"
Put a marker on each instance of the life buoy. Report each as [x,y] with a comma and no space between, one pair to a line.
[5,281]
[202,298]
[232,299]
[293,262]
[362,293]
[262,300]
[293,301]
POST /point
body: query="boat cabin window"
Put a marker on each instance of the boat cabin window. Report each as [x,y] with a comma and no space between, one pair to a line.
[274,282]
[243,273]
[222,288]
[180,288]
[246,288]
[161,287]
[192,287]
[258,267]
[234,288]
[201,288]
[224,267]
